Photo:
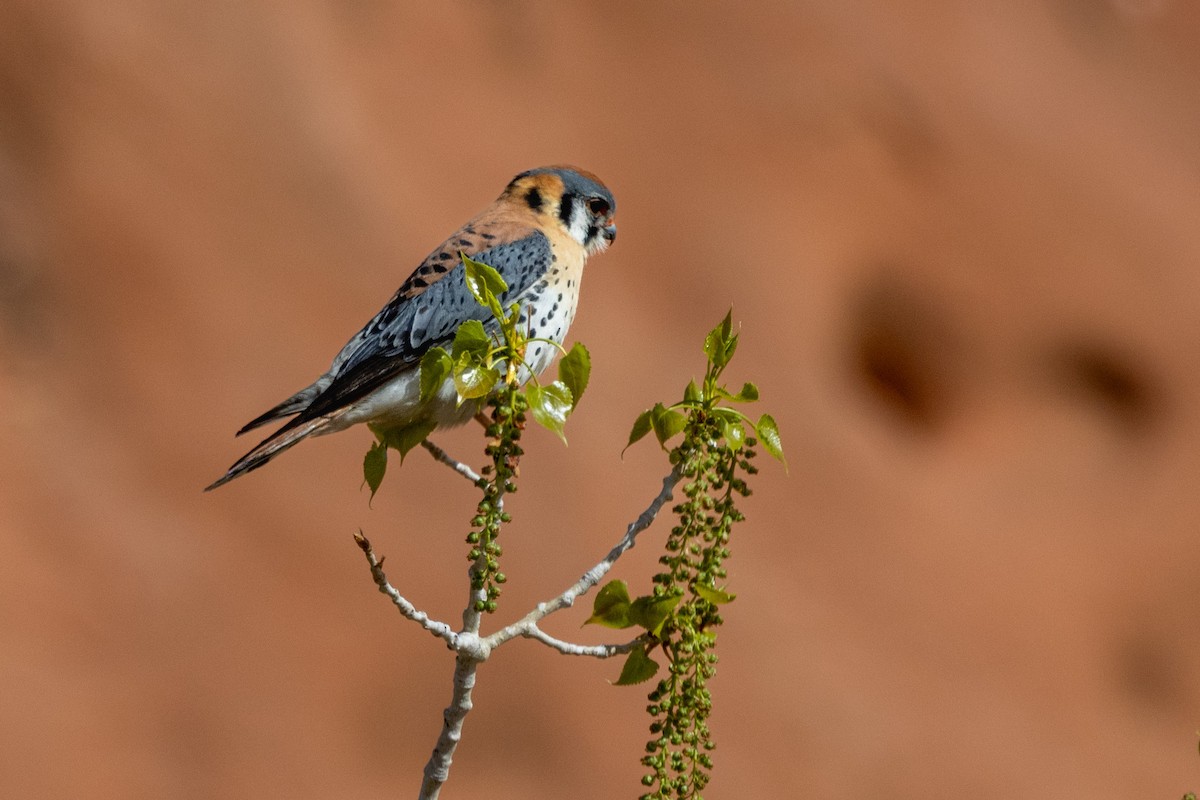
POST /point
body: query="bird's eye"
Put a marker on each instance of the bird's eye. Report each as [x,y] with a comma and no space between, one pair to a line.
[598,206]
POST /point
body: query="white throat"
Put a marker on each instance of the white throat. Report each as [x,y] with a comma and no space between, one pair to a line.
[579,223]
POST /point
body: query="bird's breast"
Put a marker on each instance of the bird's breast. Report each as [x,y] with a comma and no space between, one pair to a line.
[548,305]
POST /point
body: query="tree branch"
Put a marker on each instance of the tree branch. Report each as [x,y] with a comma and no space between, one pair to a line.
[470,651]
[437,769]
[530,630]
[462,469]
[593,576]
[439,629]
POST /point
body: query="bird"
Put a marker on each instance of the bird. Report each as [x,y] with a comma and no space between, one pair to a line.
[538,234]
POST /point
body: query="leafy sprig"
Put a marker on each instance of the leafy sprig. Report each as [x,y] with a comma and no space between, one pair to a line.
[704,401]
[680,615]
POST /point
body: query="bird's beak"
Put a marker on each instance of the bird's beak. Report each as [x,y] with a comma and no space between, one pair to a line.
[610,231]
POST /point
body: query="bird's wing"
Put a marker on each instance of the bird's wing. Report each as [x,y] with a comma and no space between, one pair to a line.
[425,313]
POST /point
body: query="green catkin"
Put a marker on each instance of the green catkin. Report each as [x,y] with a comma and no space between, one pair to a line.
[680,703]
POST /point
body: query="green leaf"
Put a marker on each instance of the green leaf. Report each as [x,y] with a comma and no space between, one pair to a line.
[712,595]
[721,342]
[574,369]
[484,283]
[375,466]
[435,368]
[730,349]
[639,667]
[550,405]
[666,422]
[472,339]
[472,379]
[692,393]
[735,434]
[768,434]
[748,394]
[404,439]
[641,426]
[611,606]
[651,612]
[714,342]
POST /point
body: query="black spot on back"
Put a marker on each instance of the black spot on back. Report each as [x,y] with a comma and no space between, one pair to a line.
[534,198]
[389,314]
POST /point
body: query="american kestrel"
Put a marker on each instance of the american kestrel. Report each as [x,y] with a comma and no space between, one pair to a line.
[537,235]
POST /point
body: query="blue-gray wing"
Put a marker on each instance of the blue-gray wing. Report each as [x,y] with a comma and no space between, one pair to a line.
[409,325]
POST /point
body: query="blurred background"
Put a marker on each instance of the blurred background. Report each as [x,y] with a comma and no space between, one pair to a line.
[961,241]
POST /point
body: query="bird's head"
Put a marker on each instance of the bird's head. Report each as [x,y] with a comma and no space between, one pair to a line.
[572,198]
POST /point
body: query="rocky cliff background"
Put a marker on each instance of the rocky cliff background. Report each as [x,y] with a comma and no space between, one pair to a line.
[963,243]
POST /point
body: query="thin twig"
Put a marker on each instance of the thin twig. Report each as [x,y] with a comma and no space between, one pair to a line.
[596,573]
[462,469]
[439,629]
[532,631]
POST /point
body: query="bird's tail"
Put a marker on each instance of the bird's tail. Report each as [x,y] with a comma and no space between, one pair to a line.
[273,445]
[293,405]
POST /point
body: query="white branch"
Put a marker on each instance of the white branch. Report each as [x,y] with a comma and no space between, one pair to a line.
[437,769]
[458,466]
[530,630]
[594,575]
[471,651]
[439,629]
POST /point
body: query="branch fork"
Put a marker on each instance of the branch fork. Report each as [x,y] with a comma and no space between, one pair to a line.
[471,649]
